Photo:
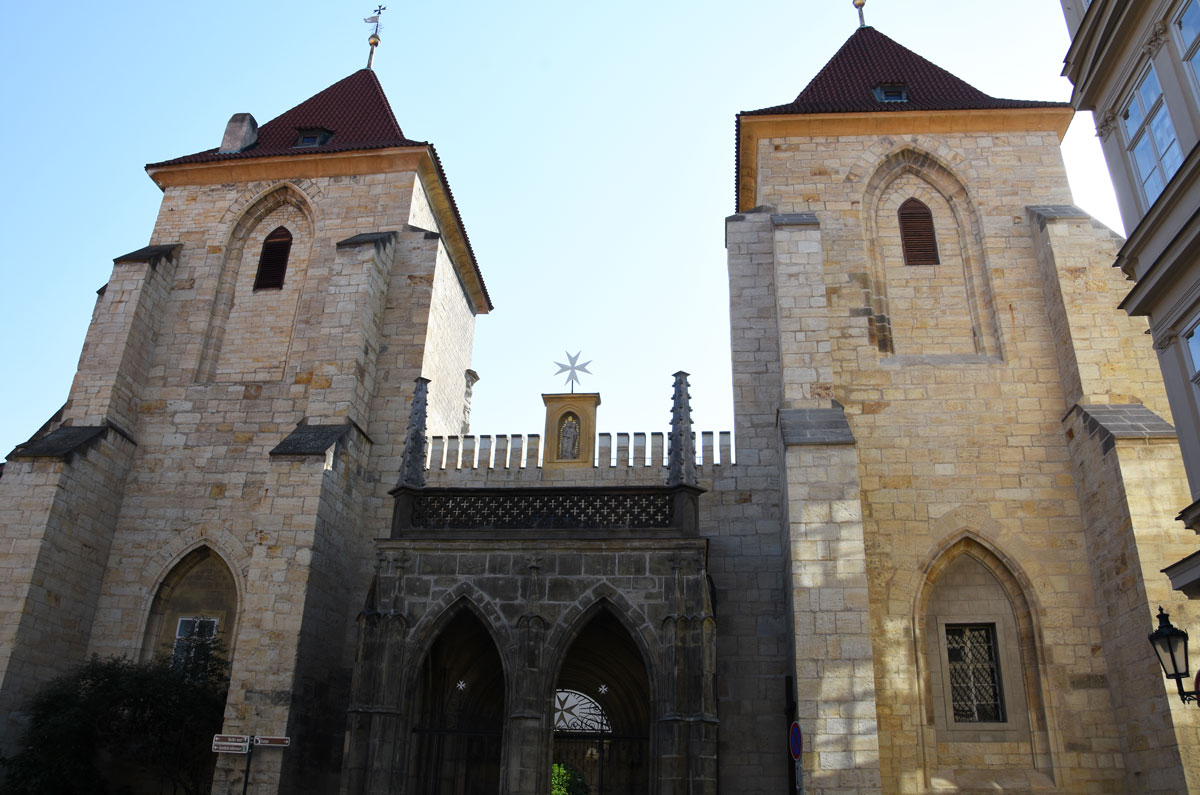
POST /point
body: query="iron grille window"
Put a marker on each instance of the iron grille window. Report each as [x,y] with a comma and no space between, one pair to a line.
[272,263]
[975,690]
[916,234]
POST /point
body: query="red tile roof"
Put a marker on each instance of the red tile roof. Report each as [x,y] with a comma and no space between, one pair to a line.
[357,112]
[354,109]
[869,58]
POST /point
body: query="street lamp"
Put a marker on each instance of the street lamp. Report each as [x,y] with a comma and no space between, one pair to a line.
[1170,644]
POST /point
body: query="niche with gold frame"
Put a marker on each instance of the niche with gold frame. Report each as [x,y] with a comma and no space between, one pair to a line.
[570,429]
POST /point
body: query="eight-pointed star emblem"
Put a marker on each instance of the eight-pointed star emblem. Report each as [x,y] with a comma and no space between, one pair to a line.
[573,369]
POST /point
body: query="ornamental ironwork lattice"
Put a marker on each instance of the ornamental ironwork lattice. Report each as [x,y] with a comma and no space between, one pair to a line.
[577,712]
[548,511]
[975,690]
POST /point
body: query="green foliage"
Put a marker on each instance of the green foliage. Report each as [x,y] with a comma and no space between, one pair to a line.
[566,780]
[112,723]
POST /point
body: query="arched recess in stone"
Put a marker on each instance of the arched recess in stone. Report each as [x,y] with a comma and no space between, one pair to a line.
[899,297]
[980,672]
[199,597]
[458,709]
[605,597]
[249,331]
[602,706]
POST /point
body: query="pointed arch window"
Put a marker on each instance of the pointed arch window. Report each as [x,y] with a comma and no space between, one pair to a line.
[916,233]
[272,263]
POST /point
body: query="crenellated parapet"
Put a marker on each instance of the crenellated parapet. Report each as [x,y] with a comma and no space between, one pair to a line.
[519,458]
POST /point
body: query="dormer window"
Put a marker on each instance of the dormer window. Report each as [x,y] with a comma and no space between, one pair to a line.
[312,137]
[891,92]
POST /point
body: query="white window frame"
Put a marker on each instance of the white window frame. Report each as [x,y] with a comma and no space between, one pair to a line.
[1189,52]
[177,649]
[1145,120]
[1191,345]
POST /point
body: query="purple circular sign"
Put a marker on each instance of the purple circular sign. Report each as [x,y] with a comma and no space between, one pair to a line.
[795,740]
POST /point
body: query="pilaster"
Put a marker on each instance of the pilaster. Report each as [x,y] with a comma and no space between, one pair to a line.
[834,657]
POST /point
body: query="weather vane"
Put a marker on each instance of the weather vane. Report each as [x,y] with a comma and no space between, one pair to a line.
[573,369]
[374,38]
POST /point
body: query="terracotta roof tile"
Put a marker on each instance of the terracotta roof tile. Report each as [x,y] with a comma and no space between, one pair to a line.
[357,112]
[354,109]
[846,84]
[869,58]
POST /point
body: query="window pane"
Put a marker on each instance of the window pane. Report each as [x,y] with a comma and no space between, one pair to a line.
[1153,186]
[1149,90]
[1172,159]
[1195,62]
[1164,131]
[1193,343]
[1143,156]
[1189,23]
[1133,118]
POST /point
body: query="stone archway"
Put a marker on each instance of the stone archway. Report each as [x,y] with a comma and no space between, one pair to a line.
[198,597]
[602,710]
[459,713]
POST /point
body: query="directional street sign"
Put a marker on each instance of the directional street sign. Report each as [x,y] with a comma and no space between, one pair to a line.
[231,743]
[275,742]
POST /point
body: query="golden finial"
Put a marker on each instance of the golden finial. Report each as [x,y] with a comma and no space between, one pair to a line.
[862,23]
[373,40]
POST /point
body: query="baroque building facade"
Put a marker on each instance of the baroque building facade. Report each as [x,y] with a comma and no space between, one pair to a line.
[932,539]
[1137,67]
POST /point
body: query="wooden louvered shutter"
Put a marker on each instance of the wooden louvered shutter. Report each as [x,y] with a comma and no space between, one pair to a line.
[272,263]
[916,234]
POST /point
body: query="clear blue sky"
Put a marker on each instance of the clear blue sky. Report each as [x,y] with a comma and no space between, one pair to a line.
[589,146]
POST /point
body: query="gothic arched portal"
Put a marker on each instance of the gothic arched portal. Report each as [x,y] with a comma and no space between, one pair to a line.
[602,710]
[459,714]
[198,597]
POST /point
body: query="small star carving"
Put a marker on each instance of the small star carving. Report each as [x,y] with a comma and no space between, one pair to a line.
[603,689]
[462,685]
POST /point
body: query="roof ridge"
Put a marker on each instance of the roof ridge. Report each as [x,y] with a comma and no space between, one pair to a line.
[869,58]
[354,109]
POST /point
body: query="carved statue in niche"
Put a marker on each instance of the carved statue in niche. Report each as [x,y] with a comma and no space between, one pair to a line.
[568,437]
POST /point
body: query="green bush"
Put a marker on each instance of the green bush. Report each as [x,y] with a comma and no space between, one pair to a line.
[113,725]
[566,780]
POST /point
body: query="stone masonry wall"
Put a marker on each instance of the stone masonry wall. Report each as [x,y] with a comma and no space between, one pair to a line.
[913,289]
[1127,492]
[752,545]
[201,473]
[834,683]
[744,561]
[952,447]
[450,330]
[1103,353]
[119,347]
[260,326]
[533,595]
[56,525]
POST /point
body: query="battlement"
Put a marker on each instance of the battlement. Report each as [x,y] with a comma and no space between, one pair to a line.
[518,454]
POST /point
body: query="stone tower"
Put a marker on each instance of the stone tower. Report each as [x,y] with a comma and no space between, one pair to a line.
[972,441]
[224,456]
[936,549]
